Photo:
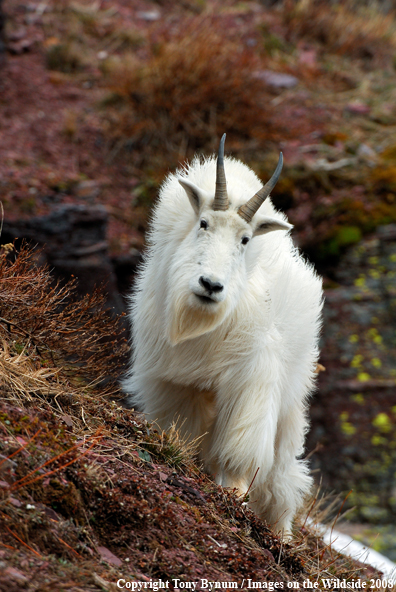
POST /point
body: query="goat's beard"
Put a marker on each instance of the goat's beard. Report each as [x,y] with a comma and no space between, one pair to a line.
[187,320]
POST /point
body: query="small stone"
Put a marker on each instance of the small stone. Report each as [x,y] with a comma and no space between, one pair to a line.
[87,189]
[277,79]
[358,108]
[308,57]
[269,554]
[149,15]
[108,556]
[15,574]
[366,151]
[68,420]
[6,464]
[19,47]
[52,515]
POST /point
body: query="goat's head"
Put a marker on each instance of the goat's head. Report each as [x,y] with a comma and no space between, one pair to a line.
[216,251]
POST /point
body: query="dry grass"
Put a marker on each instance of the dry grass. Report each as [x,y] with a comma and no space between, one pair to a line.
[176,448]
[364,33]
[197,81]
[320,560]
[46,318]
[19,377]
[56,349]
[86,30]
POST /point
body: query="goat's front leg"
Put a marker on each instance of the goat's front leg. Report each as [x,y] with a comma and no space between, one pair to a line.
[242,444]
[255,442]
[289,481]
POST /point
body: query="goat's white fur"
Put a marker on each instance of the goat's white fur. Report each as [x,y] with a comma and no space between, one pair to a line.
[239,370]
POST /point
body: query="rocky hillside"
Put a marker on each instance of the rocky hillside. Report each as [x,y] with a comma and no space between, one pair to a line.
[99,100]
[91,494]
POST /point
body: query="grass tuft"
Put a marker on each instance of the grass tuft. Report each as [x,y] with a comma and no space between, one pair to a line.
[361,32]
[46,323]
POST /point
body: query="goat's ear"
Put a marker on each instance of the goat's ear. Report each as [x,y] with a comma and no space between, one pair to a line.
[194,193]
[270,224]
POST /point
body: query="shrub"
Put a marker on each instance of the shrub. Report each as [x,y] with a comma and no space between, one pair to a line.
[197,82]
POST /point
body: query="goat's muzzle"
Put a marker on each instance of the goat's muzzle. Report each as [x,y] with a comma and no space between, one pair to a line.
[210,286]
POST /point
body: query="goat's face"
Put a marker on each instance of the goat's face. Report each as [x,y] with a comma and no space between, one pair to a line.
[209,274]
[218,271]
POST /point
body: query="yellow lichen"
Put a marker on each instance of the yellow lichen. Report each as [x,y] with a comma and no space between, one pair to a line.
[360,281]
[347,427]
[363,377]
[376,362]
[382,422]
[357,361]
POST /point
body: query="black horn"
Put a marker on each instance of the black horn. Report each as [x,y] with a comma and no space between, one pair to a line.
[221,197]
[248,209]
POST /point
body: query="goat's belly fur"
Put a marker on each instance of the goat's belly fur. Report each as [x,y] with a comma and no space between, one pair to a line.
[241,383]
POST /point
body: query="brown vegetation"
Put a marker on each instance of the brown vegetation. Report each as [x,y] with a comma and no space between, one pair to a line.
[46,319]
[68,123]
[134,97]
[348,29]
[197,80]
[89,492]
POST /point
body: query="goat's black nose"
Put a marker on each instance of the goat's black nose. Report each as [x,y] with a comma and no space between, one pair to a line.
[209,285]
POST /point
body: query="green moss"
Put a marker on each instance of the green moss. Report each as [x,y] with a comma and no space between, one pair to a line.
[374,336]
[272,43]
[351,219]
[378,440]
[343,236]
[348,235]
[360,282]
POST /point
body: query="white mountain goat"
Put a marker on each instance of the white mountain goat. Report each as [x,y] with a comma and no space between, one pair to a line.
[225,320]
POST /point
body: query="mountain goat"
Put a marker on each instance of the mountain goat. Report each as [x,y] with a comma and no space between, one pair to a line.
[225,321]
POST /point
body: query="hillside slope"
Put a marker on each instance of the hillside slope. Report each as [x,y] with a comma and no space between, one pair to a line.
[91,493]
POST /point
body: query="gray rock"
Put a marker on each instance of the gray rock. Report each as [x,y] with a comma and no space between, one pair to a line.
[277,79]
[73,238]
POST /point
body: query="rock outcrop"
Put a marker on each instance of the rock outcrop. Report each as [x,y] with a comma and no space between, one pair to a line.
[73,238]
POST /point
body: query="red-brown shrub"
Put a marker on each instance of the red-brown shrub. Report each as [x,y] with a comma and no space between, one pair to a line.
[197,82]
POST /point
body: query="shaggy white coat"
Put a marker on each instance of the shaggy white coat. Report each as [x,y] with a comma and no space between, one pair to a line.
[237,371]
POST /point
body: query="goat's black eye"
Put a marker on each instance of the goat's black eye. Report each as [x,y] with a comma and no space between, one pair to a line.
[203,224]
[245,240]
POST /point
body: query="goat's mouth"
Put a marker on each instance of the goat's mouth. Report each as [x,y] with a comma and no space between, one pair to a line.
[205,299]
